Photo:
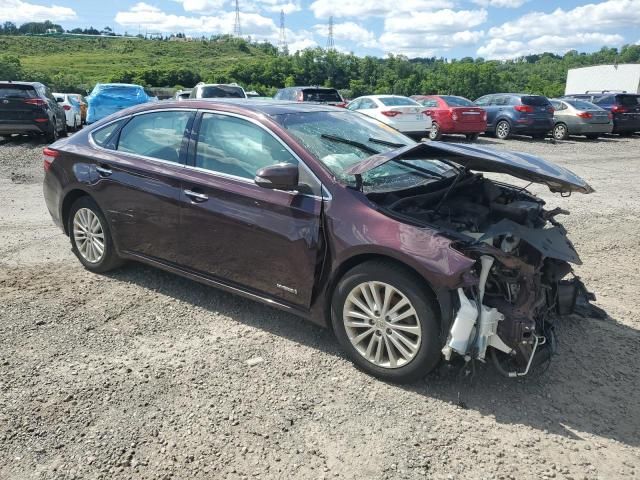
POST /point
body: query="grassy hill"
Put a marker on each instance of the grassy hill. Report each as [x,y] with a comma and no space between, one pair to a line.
[87,60]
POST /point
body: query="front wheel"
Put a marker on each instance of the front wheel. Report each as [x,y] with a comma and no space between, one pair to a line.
[90,237]
[503,130]
[384,321]
[560,132]
[434,132]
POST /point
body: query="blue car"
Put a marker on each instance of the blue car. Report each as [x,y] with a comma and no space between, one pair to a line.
[108,98]
[517,113]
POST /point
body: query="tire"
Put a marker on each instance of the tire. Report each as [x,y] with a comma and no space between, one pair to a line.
[84,212]
[560,131]
[434,131]
[53,135]
[593,136]
[413,363]
[64,132]
[472,137]
[503,130]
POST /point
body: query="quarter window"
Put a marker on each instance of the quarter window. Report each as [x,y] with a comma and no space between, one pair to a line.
[156,135]
[234,146]
[102,136]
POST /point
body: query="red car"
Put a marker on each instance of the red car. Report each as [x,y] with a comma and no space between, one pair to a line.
[452,114]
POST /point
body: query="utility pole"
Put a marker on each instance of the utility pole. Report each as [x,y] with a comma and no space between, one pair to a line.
[282,42]
[237,31]
[330,44]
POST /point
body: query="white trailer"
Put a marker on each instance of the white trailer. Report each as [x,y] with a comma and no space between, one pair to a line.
[618,78]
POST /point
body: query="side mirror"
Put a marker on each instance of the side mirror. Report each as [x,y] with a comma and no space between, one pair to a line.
[281,176]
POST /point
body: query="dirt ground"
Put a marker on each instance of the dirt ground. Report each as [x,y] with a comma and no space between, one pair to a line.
[141,374]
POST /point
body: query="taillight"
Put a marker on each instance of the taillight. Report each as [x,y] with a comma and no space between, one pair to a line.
[390,113]
[49,155]
[585,115]
[523,108]
[619,109]
[38,102]
[67,107]
[551,109]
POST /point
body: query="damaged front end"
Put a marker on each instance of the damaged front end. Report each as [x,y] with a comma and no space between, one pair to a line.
[523,275]
[523,272]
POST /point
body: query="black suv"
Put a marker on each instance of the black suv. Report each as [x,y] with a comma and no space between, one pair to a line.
[329,96]
[625,108]
[29,107]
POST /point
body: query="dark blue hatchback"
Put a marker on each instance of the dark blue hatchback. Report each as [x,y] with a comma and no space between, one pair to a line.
[517,113]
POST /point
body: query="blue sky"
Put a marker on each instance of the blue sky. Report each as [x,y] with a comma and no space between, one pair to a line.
[449,28]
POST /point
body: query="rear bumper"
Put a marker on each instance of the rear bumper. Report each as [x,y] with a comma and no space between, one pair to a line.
[626,126]
[7,128]
[464,127]
[52,190]
[532,127]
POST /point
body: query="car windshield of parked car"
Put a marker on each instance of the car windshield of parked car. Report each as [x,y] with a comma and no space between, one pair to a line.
[222,91]
[582,105]
[17,91]
[321,95]
[341,139]
[457,101]
[535,101]
[397,101]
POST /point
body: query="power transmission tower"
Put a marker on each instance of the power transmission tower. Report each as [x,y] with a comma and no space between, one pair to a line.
[237,31]
[330,44]
[282,42]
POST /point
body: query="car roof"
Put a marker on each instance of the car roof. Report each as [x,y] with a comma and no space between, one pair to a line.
[266,107]
[317,87]
[11,82]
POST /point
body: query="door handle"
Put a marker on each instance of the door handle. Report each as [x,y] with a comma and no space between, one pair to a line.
[196,196]
[103,171]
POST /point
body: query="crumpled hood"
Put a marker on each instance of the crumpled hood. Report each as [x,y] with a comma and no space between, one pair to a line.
[520,165]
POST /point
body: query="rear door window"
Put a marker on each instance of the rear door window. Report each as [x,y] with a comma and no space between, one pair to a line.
[321,95]
[156,135]
[429,102]
[103,135]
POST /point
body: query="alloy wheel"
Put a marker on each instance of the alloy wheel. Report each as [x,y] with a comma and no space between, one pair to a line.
[88,235]
[382,324]
[560,132]
[502,130]
[434,132]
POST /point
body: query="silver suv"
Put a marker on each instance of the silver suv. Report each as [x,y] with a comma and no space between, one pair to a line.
[217,90]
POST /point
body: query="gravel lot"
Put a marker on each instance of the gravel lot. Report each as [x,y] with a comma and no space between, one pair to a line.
[141,374]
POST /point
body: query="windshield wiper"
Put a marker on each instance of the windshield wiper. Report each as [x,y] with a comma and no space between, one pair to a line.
[386,143]
[361,146]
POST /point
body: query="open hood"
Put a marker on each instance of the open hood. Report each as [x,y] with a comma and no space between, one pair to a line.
[520,165]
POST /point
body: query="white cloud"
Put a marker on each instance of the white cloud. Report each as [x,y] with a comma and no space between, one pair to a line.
[349,31]
[19,12]
[256,26]
[594,17]
[202,6]
[427,45]
[501,49]
[373,8]
[500,3]
[437,21]
[213,7]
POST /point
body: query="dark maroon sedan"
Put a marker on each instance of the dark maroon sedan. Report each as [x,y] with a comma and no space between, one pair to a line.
[404,249]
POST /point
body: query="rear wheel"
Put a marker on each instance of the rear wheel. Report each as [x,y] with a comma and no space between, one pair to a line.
[434,132]
[472,137]
[53,134]
[560,132]
[385,322]
[503,130]
[90,237]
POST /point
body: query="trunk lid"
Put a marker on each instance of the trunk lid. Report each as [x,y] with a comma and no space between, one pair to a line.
[521,165]
[467,114]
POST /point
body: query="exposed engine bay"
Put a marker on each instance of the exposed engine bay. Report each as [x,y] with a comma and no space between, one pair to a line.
[523,277]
